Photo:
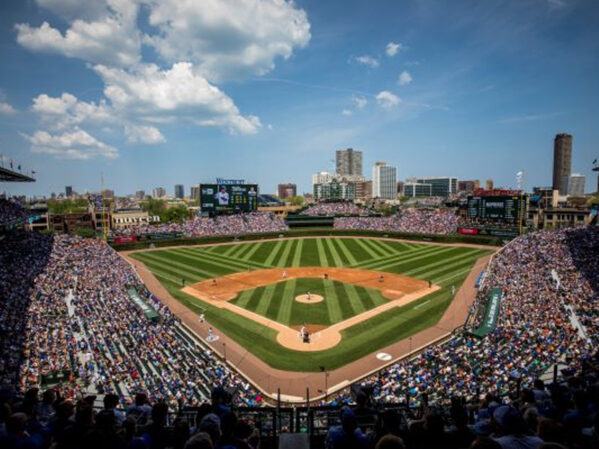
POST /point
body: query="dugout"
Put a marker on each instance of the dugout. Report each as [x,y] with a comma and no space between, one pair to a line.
[148,311]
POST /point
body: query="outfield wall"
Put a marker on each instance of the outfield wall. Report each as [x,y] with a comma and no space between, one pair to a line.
[315,232]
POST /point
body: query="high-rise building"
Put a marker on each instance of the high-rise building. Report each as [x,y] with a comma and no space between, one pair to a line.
[286,191]
[441,185]
[415,189]
[179,191]
[195,193]
[384,181]
[363,190]
[576,184]
[562,162]
[335,190]
[68,191]
[140,194]
[468,186]
[322,177]
[348,162]
[158,192]
[400,187]
[489,184]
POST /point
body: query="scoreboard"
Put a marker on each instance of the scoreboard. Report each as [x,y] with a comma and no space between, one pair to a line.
[507,208]
[227,198]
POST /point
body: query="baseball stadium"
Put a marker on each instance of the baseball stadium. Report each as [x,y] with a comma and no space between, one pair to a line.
[286,321]
[299,224]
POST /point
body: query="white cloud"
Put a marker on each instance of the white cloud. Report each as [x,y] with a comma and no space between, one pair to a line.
[360,102]
[66,110]
[162,95]
[111,39]
[197,44]
[393,48]
[7,109]
[227,38]
[75,144]
[387,99]
[366,60]
[346,112]
[404,78]
[144,134]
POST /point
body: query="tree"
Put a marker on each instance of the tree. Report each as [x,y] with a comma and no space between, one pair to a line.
[296,200]
[176,213]
[68,206]
[154,207]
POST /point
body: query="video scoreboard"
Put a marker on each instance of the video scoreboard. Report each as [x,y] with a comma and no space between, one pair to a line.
[506,206]
[226,197]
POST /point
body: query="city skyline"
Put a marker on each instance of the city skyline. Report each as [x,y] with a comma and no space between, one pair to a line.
[481,97]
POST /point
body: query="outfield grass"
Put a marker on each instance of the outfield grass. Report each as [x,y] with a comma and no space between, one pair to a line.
[444,266]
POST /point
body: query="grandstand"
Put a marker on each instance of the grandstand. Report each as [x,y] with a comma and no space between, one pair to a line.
[9,175]
[78,321]
[12,212]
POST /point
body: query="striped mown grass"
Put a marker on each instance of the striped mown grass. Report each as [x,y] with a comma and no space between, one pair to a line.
[445,266]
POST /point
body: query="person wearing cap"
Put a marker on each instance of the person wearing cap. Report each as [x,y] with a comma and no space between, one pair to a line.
[511,430]
[210,424]
[348,435]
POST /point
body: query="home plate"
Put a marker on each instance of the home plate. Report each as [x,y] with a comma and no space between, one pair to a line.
[383,356]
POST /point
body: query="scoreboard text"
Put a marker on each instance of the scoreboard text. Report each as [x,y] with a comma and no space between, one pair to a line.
[506,208]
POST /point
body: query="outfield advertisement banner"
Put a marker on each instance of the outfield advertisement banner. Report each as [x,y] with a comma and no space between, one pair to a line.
[495,232]
[165,235]
[491,313]
[125,239]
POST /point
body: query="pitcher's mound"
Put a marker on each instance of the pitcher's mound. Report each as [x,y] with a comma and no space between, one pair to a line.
[313,298]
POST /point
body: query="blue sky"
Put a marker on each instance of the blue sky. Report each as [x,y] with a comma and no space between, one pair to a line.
[155,93]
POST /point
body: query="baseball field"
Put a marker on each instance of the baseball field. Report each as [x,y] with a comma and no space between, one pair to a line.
[353,296]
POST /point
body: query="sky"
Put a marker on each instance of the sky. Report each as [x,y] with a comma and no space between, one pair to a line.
[153,93]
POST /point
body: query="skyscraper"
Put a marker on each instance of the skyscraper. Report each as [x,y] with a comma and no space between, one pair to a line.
[384,181]
[158,192]
[348,162]
[140,194]
[562,162]
[576,184]
[179,191]
[68,190]
[194,193]
[287,190]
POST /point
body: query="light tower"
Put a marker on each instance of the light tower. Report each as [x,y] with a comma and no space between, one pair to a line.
[596,168]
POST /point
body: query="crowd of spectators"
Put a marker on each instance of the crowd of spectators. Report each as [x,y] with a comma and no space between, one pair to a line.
[66,318]
[409,220]
[250,223]
[330,209]
[54,421]
[12,211]
[548,315]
